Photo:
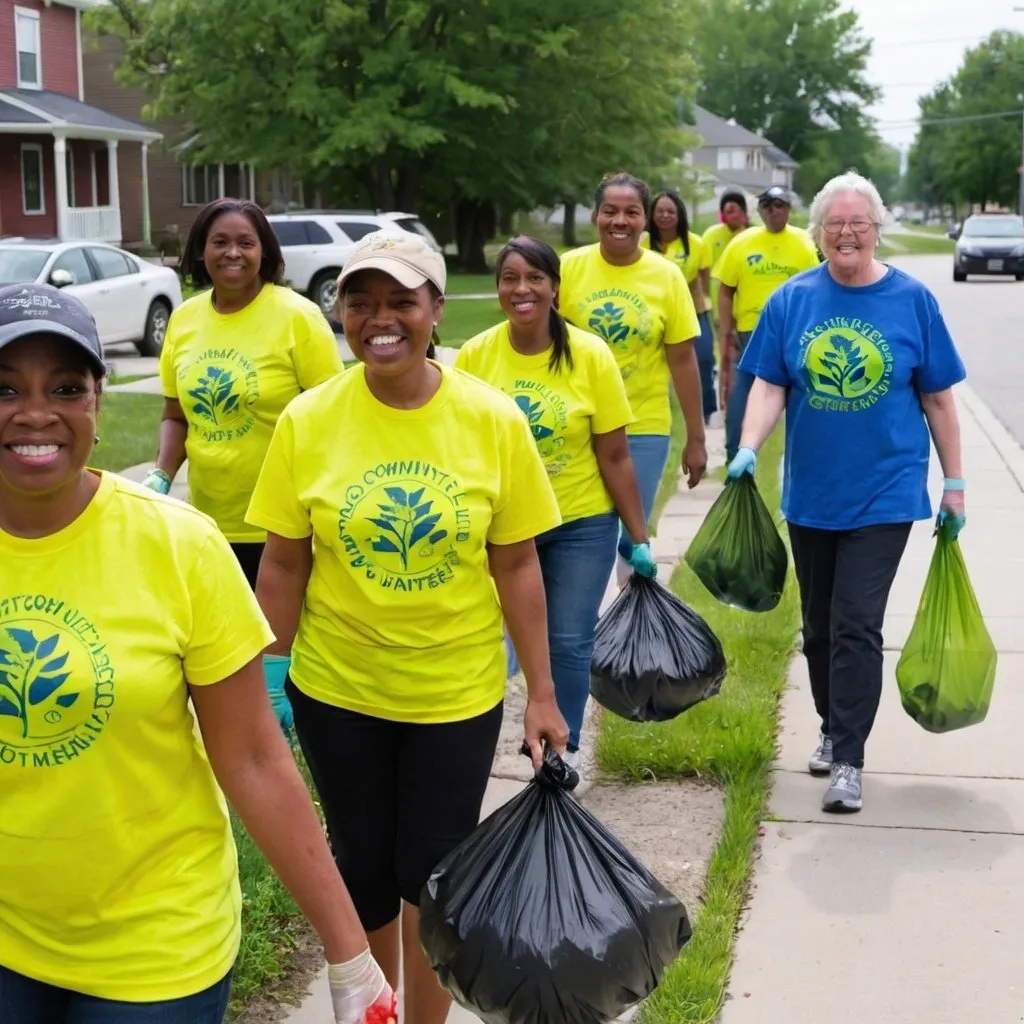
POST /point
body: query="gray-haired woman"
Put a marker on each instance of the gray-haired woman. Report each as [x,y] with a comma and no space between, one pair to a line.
[859,356]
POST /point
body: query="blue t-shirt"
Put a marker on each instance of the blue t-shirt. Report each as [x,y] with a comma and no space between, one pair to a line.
[855,362]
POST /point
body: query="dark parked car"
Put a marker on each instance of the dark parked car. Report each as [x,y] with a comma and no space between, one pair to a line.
[990,243]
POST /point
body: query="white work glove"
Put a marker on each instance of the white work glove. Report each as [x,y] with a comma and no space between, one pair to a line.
[360,992]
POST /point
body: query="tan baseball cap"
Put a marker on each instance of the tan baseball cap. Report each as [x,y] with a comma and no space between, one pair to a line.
[405,257]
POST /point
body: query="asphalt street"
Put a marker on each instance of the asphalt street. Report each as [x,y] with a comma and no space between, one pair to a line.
[985,315]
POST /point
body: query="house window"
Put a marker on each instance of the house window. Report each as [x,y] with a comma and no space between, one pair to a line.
[733,159]
[26,33]
[32,201]
[202,183]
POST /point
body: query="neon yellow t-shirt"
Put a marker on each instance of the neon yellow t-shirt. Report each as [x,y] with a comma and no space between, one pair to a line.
[756,262]
[565,409]
[637,310]
[716,238]
[698,260]
[233,375]
[401,617]
[118,873]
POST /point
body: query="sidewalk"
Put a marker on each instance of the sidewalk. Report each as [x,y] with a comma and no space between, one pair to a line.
[682,515]
[909,911]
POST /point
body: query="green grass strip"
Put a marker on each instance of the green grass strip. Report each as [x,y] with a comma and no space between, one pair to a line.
[729,739]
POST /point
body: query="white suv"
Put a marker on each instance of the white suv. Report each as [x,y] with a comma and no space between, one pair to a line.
[316,242]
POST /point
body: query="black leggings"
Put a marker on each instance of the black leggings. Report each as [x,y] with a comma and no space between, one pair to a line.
[845,577]
[398,797]
[249,556]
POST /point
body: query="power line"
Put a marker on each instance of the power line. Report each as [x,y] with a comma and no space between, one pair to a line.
[917,121]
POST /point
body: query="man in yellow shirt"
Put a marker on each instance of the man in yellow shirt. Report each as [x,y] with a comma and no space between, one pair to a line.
[753,265]
[732,219]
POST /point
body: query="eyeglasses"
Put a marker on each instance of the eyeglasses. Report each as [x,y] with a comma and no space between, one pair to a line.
[773,204]
[858,226]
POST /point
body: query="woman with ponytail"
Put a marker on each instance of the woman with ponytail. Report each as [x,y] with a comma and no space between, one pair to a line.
[568,386]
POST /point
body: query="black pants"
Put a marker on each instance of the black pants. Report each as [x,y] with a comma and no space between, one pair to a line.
[397,797]
[249,556]
[845,577]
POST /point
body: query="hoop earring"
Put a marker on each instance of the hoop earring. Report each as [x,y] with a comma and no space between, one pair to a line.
[96,439]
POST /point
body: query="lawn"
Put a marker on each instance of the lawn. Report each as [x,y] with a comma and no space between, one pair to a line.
[914,245]
[129,428]
[730,739]
[465,317]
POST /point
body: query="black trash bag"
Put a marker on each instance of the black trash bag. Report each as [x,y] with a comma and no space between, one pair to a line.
[654,656]
[737,552]
[543,917]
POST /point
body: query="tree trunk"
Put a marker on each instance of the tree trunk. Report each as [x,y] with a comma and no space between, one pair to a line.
[474,226]
[505,226]
[408,188]
[569,225]
[382,188]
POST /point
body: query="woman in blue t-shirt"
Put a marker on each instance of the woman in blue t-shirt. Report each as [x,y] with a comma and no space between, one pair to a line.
[859,357]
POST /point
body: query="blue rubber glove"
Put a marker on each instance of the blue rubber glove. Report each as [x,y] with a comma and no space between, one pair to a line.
[275,668]
[158,481]
[745,461]
[952,515]
[642,562]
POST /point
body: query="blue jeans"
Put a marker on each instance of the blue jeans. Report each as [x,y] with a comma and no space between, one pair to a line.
[704,349]
[576,561]
[25,1001]
[649,453]
[737,405]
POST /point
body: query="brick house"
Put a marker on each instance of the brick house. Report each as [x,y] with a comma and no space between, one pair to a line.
[61,160]
[179,188]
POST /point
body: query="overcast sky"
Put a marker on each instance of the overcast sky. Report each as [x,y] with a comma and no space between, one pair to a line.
[918,43]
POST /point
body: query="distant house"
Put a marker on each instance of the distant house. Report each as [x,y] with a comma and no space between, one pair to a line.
[179,187]
[62,160]
[732,156]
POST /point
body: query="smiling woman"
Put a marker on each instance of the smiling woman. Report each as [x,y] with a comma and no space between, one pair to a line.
[235,355]
[388,562]
[98,695]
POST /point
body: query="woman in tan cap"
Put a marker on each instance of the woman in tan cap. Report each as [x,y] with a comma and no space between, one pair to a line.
[401,501]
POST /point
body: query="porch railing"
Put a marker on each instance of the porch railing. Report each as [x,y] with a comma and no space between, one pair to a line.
[92,224]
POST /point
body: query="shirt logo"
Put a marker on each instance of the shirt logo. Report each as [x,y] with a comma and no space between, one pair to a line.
[56,682]
[402,524]
[622,318]
[222,386]
[847,365]
[545,410]
[754,258]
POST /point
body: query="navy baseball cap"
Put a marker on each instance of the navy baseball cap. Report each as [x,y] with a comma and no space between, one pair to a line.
[773,194]
[27,309]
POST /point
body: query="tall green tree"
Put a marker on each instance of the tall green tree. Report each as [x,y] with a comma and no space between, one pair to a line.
[444,105]
[792,70]
[962,153]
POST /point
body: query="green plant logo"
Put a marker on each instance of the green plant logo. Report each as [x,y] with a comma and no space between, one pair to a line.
[608,321]
[216,395]
[844,365]
[56,683]
[218,391]
[33,679]
[405,521]
[403,525]
[534,412]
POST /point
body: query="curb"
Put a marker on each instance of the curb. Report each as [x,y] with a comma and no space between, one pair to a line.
[1007,447]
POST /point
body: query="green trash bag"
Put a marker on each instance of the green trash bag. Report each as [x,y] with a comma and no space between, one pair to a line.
[948,665]
[738,553]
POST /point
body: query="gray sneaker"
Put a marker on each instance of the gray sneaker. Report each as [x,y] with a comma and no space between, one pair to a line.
[843,794]
[821,760]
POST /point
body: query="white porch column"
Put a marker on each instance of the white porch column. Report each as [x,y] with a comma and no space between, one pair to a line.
[252,183]
[113,188]
[60,184]
[220,181]
[147,231]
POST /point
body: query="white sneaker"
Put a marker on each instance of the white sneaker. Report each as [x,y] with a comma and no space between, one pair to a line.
[572,759]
